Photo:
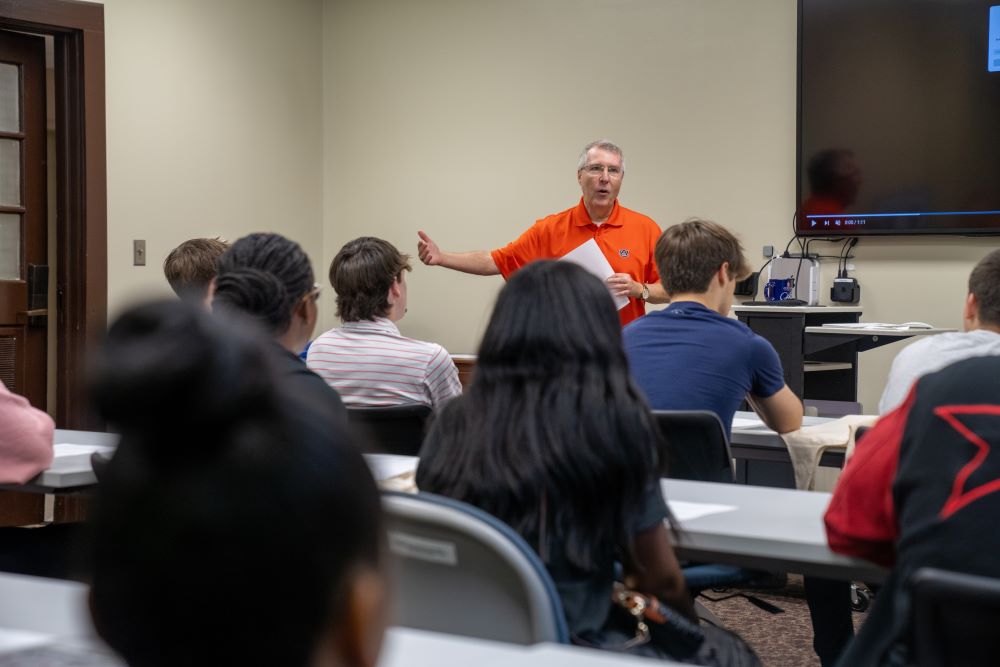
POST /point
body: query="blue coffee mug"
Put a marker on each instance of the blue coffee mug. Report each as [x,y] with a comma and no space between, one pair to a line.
[779,289]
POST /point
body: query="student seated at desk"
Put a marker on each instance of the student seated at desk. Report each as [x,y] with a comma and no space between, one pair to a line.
[25,438]
[921,490]
[691,356]
[270,278]
[190,269]
[367,360]
[981,338]
[26,450]
[553,438]
[236,524]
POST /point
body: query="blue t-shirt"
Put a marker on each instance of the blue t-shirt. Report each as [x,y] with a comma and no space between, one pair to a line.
[689,357]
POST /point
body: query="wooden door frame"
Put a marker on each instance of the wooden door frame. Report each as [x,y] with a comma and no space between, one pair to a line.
[81,188]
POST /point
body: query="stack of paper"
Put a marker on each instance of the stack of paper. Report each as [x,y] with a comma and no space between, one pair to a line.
[876,325]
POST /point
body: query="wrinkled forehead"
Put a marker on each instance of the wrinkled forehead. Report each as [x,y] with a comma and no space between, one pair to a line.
[605,157]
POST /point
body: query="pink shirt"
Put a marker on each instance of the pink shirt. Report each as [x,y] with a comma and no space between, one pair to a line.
[370,363]
[25,439]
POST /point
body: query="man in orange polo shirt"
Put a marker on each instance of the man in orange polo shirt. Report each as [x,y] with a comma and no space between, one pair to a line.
[626,238]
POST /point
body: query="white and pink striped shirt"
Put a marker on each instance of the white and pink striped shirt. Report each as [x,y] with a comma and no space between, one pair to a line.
[370,364]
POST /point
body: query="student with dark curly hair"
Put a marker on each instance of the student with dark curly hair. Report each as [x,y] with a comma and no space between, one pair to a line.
[236,523]
[270,278]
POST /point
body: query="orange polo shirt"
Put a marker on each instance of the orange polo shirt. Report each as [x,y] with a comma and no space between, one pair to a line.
[627,239]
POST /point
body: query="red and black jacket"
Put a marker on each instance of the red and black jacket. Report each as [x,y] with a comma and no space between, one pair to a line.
[923,490]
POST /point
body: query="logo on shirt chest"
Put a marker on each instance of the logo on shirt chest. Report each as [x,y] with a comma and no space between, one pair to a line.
[623,253]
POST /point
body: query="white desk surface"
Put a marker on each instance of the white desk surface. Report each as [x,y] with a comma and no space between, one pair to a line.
[779,529]
[773,529]
[71,464]
[796,309]
[760,527]
[72,469]
[759,427]
[406,647]
[52,606]
[859,331]
[38,612]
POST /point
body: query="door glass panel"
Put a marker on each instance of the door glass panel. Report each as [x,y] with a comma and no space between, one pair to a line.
[10,246]
[10,101]
[10,172]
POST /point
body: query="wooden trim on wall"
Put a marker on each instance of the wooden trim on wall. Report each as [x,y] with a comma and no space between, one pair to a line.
[81,184]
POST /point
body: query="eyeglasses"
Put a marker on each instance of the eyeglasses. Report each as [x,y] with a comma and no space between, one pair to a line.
[314,293]
[614,173]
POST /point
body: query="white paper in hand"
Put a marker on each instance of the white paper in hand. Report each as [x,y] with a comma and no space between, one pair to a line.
[589,256]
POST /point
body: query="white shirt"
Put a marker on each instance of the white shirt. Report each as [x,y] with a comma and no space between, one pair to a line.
[932,354]
[370,363]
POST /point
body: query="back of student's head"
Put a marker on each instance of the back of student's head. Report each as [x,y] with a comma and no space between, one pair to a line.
[191,266]
[362,273]
[984,283]
[264,276]
[690,253]
[236,522]
[552,429]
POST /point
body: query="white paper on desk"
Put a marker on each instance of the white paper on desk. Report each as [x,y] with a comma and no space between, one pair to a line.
[63,449]
[589,256]
[687,511]
[744,422]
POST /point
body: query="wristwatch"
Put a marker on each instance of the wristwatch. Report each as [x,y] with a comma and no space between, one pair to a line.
[644,294]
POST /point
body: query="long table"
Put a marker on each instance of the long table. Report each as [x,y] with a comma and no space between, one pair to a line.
[71,469]
[761,455]
[46,614]
[763,528]
[753,526]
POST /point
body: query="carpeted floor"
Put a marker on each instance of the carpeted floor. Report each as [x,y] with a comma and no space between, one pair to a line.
[781,640]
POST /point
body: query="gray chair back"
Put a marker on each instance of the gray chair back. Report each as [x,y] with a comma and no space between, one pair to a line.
[462,571]
[695,446]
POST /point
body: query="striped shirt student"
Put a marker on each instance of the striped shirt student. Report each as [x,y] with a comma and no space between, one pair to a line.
[370,364]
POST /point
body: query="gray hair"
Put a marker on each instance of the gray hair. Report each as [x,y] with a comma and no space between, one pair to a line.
[604,145]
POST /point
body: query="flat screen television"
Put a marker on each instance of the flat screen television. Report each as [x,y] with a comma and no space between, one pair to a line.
[898,117]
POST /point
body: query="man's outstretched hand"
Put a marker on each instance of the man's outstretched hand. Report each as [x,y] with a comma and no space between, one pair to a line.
[427,250]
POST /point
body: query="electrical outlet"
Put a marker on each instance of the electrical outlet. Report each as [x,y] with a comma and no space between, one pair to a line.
[769,251]
[138,253]
[850,267]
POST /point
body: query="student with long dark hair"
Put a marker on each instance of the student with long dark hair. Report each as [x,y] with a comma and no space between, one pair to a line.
[270,278]
[235,524]
[553,438]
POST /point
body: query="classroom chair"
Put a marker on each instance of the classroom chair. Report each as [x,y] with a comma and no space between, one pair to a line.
[695,446]
[396,429]
[459,570]
[955,618]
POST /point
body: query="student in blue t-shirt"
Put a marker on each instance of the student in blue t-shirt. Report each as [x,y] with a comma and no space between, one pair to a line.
[691,356]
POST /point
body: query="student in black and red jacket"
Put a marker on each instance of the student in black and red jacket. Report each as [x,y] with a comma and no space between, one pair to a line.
[922,490]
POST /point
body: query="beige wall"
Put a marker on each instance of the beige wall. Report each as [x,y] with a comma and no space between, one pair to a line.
[329,119]
[465,119]
[214,123]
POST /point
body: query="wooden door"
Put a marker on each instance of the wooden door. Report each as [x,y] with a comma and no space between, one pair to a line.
[23,217]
